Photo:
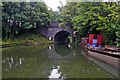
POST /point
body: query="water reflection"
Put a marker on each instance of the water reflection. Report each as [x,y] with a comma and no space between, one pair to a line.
[13,63]
[58,61]
[63,50]
[55,73]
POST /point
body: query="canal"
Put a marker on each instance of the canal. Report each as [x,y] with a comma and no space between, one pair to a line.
[54,61]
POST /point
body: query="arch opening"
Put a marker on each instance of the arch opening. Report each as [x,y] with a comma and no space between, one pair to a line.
[62,37]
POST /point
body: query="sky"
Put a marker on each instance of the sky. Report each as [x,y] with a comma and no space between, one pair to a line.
[54,4]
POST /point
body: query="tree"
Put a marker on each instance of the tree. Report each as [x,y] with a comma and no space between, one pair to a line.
[118,31]
[23,15]
[69,11]
[0,20]
[60,8]
[56,16]
[10,18]
[40,13]
[94,17]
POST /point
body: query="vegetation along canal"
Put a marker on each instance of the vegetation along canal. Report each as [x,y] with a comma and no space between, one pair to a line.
[53,61]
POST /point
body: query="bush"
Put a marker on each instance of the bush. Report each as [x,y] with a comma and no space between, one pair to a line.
[111,43]
[62,25]
[106,42]
[118,42]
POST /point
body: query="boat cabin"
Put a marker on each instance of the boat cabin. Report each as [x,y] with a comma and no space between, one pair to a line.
[92,39]
[95,39]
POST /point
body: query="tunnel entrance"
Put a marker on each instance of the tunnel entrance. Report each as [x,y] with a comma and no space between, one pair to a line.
[62,37]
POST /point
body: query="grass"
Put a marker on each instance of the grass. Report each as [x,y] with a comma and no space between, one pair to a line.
[32,38]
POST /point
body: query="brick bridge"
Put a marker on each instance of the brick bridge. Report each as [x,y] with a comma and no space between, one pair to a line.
[55,33]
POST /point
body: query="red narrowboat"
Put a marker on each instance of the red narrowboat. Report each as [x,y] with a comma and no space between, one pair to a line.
[92,39]
[95,39]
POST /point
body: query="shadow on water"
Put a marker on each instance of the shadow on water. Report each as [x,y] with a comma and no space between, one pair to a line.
[58,61]
[62,49]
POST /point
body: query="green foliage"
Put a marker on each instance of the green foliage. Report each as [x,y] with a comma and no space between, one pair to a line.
[118,32]
[111,43]
[68,12]
[118,42]
[93,17]
[18,16]
[1,3]
[106,42]
[56,16]
[62,25]
[27,38]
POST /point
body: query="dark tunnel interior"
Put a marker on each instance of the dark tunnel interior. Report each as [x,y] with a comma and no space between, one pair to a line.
[62,37]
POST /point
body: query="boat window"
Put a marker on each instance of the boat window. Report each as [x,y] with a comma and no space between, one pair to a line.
[95,37]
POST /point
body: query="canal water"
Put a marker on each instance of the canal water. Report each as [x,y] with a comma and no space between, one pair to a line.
[55,61]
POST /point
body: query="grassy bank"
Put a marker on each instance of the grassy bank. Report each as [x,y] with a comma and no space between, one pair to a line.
[32,38]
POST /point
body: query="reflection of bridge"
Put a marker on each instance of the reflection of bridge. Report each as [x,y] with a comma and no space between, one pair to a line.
[55,52]
[55,33]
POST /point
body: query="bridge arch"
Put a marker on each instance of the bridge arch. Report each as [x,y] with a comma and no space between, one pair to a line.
[53,33]
[61,37]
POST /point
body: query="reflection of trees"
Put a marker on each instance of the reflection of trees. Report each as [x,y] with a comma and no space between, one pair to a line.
[25,62]
[62,49]
[13,62]
[28,62]
[28,67]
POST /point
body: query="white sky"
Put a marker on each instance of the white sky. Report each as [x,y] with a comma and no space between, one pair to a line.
[54,4]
